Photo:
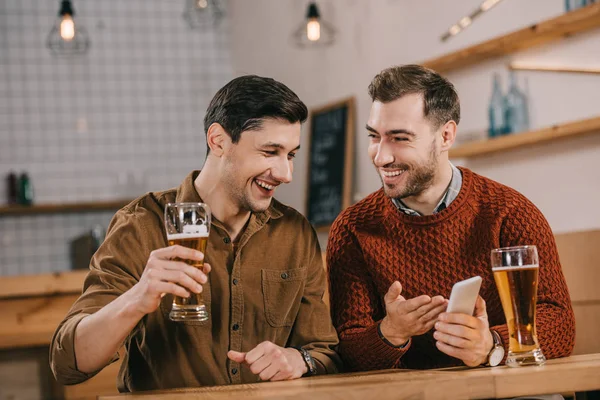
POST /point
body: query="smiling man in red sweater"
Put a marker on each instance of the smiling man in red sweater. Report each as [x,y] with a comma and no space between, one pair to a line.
[394,256]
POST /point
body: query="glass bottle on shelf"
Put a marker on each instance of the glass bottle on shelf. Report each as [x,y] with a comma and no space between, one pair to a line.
[25,190]
[516,107]
[574,4]
[496,111]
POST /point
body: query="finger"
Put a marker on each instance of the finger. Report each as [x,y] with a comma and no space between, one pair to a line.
[178,277]
[433,314]
[424,309]
[453,341]
[460,319]
[456,330]
[393,292]
[412,305]
[236,356]
[283,375]
[160,288]
[256,353]
[269,372]
[178,251]
[261,364]
[206,268]
[480,309]
[451,351]
[195,273]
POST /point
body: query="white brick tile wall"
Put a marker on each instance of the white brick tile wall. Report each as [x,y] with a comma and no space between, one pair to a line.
[122,120]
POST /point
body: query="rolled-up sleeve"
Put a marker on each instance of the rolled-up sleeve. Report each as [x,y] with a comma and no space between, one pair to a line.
[114,269]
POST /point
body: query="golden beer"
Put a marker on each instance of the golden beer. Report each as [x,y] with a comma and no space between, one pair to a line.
[517,288]
[196,243]
[188,225]
[516,274]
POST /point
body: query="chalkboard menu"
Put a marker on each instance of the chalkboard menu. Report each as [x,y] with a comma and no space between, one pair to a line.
[331,161]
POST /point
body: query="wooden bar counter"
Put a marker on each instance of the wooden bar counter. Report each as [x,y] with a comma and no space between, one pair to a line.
[572,374]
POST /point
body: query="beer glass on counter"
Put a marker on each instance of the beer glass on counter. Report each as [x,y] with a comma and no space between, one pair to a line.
[188,225]
[516,274]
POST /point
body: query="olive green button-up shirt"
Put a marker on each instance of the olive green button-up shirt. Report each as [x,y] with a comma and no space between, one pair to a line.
[270,289]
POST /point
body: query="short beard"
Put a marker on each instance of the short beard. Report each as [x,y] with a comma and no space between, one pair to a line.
[420,178]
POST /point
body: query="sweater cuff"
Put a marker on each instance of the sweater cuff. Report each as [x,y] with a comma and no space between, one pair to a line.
[382,347]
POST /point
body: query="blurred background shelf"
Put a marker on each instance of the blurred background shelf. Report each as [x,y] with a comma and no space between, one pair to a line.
[571,23]
[517,140]
[62,207]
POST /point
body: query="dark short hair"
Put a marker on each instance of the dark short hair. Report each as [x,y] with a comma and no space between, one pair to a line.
[440,100]
[245,102]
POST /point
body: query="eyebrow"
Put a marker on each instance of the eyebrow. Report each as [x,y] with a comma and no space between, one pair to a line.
[392,131]
[278,146]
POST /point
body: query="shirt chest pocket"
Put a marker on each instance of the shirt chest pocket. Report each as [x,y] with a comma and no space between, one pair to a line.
[282,294]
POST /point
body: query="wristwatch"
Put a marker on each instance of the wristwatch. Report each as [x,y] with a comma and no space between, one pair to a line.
[497,353]
[310,363]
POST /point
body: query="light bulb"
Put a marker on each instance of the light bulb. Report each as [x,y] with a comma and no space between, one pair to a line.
[202,3]
[67,28]
[313,30]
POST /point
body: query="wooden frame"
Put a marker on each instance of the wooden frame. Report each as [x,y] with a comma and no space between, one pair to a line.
[350,133]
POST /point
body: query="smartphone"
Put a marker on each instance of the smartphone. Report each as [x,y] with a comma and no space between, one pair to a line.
[464,295]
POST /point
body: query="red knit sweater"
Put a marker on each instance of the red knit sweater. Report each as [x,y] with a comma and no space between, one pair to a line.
[372,244]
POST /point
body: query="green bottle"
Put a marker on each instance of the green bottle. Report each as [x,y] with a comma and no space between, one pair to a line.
[25,190]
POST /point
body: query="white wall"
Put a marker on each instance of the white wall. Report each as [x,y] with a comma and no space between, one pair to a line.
[561,178]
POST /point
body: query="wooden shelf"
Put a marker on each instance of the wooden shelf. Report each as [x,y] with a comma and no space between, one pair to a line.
[63,208]
[548,31]
[517,140]
[68,282]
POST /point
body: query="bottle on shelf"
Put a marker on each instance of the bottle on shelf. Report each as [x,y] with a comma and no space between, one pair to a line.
[25,190]
[574,4]
[516,107]
[496,110]
[12,188]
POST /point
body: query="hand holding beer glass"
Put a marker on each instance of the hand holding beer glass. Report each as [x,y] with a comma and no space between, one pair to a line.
[188,225]
[516,274]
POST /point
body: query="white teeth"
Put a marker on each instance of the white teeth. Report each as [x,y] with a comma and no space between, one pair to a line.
[264,185]
[391,174]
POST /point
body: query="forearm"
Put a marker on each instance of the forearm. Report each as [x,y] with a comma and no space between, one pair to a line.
[362,349]
[100,335]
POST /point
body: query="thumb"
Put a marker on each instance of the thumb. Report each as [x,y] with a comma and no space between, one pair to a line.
[236,356]
[480,310]
[393,292]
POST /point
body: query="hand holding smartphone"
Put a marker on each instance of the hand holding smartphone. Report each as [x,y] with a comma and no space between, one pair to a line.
[464,295]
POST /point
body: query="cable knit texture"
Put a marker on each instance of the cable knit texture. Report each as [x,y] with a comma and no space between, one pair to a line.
[372,244]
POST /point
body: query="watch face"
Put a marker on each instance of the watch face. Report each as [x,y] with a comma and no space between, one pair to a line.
[496,356]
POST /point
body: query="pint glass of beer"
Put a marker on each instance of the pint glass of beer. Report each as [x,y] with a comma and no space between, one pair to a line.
[516,274]
[188,225]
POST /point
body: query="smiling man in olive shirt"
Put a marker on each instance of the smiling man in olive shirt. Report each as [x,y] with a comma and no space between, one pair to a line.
[263,280]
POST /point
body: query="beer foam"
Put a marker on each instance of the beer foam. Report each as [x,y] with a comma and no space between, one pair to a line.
[515,268]
[179,236]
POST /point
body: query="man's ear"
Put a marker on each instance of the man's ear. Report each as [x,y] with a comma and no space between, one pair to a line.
[217,139]
[448,133]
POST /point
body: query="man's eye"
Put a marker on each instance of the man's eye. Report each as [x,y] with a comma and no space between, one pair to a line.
[291,156]
[270,152]
[372,135]
[400,139]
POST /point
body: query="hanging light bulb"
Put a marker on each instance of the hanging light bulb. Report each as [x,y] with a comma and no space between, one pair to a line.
[203,14]
[313,31]
[66,37]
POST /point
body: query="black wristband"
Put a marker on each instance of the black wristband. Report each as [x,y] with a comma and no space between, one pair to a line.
[308,360]
[388,342]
